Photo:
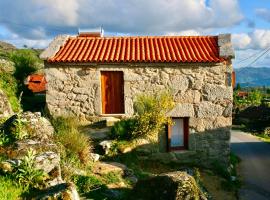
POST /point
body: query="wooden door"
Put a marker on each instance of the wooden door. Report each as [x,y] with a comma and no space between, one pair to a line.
[112,89]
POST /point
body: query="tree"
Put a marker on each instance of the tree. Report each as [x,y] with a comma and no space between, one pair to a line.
[238,87]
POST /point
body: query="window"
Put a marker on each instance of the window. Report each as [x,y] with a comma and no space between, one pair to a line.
[178,134]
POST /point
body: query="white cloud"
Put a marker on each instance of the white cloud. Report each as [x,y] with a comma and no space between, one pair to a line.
[241,40]
[34,19]
[184,33]
[261,38]
[258,39]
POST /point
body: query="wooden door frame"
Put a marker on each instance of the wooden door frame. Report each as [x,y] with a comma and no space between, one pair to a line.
[101,94]
[186,134]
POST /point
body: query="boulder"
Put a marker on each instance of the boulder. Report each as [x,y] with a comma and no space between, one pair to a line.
[36,126]
[107,167]
[5,107]
[106,146]
[47,161]
[94,157]
[176,185]
[40,127]
[21,147]
[64,191]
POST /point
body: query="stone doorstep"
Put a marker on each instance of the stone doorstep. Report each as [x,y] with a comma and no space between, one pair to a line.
[105,121]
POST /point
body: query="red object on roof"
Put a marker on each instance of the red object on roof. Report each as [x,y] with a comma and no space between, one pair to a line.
[37,83]
[175,49]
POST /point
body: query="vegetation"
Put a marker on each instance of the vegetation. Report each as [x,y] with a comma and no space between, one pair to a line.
[149,119]
[27,175]
[9,85]
[74,146]
[26,62]
[9,190]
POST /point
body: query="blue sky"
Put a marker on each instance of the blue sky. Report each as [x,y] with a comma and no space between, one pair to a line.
[35,23]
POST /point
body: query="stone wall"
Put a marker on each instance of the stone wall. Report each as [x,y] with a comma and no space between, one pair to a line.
[200,93]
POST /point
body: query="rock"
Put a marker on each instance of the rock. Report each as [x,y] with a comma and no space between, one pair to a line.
[106,146]
[47,161]
[5,107]
[107,167]
[36,126]
[98,134]
[6,66]
[94,157]
[207,109]
[173,186]
[6,166]
[214,92]
[182,110]
[125,149]
[41,128]
[65,191]
[21,147]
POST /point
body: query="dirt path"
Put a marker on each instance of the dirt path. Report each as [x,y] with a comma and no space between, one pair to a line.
[254,166]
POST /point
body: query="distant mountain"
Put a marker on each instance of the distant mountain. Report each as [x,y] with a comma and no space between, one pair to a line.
[251,76]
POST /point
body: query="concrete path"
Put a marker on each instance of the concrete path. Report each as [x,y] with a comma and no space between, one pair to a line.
[254,165]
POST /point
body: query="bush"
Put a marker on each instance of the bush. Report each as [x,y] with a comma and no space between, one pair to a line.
[150,117]
[150,113]
[76,144]
[124,129]
[26,62]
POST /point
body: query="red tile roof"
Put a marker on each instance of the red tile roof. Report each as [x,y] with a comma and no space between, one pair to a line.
[174,49]
[37,83]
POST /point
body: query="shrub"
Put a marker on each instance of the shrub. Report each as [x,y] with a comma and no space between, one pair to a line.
[26,62]
[150,113]
[123,129]
[72,142]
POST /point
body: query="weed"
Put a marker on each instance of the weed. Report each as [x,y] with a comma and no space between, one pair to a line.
[27,175]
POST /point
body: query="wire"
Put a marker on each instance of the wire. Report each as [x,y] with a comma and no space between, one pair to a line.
[260,56]
[253,55]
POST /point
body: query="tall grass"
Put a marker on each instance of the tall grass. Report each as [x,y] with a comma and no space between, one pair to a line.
[73,144]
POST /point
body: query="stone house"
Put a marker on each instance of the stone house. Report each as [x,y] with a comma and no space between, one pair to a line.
[91,75]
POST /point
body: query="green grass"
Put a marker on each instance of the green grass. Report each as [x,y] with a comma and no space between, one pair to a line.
[9,190]
[264,138]
[9,85]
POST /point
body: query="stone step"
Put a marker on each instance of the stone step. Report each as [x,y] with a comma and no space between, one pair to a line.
[96,133]
[105,122]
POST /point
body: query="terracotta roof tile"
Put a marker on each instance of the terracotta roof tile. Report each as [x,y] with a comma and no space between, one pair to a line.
[174,49]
